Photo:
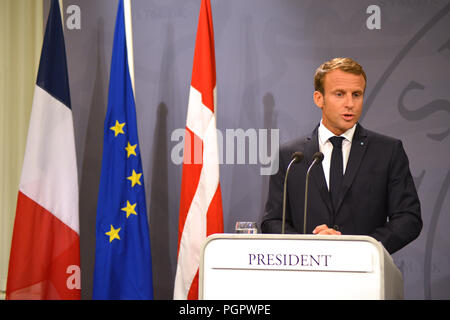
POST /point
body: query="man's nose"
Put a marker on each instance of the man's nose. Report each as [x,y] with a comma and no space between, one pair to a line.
[349,103]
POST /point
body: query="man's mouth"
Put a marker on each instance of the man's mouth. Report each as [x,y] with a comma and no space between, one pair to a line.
[348,116]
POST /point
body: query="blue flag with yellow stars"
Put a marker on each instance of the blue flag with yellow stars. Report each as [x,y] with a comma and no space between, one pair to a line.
[123,266]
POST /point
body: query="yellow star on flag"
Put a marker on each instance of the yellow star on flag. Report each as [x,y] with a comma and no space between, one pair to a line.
[131,149]
[118,128]
[129,209]
[113,234]
[135,178]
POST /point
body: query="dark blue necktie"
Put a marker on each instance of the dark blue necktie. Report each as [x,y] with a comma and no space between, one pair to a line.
[336,170]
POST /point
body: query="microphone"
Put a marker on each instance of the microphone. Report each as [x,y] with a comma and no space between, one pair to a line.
[296,157]
[317,158]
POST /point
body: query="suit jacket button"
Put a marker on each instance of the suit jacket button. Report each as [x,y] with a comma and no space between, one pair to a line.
[336,227]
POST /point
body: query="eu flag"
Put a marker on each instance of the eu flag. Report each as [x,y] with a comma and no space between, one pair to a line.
[123,266]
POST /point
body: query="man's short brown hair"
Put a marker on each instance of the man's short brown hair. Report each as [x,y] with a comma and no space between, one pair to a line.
[344,64]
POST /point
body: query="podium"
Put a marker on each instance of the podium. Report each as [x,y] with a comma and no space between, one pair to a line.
[275,266]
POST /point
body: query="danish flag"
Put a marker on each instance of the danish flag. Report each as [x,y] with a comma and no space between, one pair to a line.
[200,201]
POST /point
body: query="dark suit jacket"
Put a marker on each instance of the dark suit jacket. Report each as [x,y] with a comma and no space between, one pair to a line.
[378,197]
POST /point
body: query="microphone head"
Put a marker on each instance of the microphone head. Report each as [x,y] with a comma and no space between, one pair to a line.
[318,157]
[297,156]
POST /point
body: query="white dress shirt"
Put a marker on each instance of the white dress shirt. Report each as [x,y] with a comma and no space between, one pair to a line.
[326,148]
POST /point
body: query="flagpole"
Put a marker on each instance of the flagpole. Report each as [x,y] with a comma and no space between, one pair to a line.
[62,12]
[129,37]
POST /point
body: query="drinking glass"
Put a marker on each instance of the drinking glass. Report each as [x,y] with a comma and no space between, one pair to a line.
[246,227]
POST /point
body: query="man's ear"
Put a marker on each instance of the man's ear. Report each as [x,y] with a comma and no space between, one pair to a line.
[318,99]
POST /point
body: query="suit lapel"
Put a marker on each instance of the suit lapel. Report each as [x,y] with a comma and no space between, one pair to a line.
[359,146]
[316,173]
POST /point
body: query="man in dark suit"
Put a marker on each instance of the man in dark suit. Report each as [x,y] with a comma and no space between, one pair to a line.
[363,185]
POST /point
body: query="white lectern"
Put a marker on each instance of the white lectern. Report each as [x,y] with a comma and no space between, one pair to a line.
[275,266]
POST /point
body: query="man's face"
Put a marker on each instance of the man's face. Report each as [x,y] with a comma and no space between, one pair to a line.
[342,102]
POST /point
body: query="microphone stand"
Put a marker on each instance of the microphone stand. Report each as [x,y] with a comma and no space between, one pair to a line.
[296,157]
[318,157]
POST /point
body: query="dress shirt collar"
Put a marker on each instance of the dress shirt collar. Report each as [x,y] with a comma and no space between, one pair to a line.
[325,134]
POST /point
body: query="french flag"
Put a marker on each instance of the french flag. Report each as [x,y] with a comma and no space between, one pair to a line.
[45,251]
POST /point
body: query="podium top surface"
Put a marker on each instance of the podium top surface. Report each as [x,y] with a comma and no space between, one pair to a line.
[264,236]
